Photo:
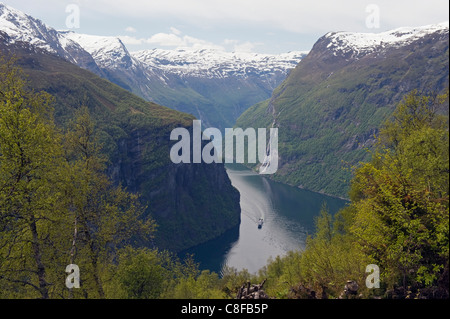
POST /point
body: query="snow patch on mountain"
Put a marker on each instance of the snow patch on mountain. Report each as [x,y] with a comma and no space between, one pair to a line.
[213,63]
[21,27]
[108,52]
[364,43]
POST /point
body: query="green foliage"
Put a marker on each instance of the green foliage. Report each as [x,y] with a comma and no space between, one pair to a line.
[135,139]
[329,109]
[232,280]
[57,206]
[31,168]
[401,197]
[329,259]
[147,274]
[205,286]
[398,218]
[140,274]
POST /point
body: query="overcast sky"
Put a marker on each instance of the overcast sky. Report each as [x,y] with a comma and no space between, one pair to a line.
[266,26]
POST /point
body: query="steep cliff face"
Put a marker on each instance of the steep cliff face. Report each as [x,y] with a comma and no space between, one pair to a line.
[333,102]
[191,203]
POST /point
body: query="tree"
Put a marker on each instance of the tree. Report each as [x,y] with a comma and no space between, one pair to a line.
[30,162]
[57,205]
[401,197]
[398,218]
[105,217]
[141,274]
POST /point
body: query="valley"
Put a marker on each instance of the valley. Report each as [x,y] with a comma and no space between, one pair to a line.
[135,135]
[361,129]
[289,218]
[330,107]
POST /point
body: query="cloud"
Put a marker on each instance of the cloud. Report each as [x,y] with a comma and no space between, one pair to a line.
[289,15]
[196,43]
[175,31]
[297,24]
[171,40]
[246,46]
[129,40]
[166,40]
[176,39]
[130,29]
[238,46]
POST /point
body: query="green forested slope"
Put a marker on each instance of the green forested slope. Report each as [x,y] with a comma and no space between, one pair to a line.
[330,108]
[190,203]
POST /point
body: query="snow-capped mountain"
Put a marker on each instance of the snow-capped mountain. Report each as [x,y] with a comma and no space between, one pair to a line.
[21,27]
[108,52]
[360,44]
[215,86]
[216,64]
[332,105]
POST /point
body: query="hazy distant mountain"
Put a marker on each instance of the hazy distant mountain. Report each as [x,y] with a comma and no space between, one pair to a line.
[331,105]
[214,86]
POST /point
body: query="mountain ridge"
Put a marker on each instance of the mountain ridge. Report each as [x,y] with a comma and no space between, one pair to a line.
[331,105]
[190,203]
[365,43]
[214,86]
[345,73]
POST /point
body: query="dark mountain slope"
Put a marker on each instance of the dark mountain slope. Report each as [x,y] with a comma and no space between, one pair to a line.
[191,203]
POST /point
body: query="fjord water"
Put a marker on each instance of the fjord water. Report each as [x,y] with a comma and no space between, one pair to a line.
[288,213]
